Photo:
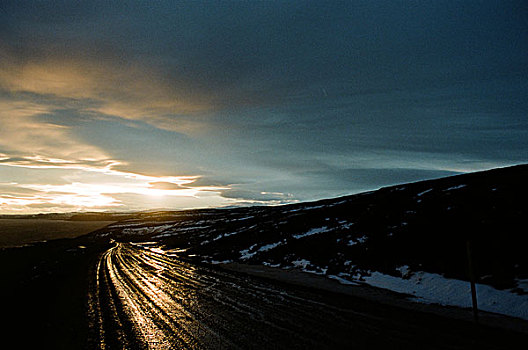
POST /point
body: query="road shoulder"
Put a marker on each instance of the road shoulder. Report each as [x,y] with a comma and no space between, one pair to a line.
[379,295]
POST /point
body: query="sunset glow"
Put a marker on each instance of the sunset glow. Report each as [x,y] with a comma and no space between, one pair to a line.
[95,188]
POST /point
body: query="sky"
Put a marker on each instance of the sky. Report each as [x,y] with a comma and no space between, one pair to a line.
[135,105]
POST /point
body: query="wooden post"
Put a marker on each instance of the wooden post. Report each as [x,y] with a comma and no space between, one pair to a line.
[471,271]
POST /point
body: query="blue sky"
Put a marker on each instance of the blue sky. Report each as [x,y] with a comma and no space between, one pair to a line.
[135,105]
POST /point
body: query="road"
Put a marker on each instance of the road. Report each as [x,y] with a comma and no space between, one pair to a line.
[141,298]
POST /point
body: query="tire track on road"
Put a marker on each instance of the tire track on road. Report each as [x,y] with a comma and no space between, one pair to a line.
[145,299]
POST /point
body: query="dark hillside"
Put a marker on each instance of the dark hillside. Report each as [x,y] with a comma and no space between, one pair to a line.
[423,225]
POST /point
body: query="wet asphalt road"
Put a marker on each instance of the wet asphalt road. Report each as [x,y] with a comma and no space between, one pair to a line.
[144,299]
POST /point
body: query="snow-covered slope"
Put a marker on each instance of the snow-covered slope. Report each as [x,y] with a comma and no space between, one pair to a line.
[409,238]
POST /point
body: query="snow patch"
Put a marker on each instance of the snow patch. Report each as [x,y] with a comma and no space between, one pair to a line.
[424,192]
[347,225]
[243,218]
[342,280]
[359,240]
[265,263]
[146,230]
[302,263]
[404,270]
[313,231]
[455,188]
[337,203]
[433,288]
[318,271]
[216,262]
[267,247]
[245,254]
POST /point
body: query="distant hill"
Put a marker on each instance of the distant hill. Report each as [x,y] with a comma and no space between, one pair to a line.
[73,216]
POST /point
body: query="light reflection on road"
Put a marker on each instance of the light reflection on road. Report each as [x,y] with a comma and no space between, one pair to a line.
[145,299]
[150,296]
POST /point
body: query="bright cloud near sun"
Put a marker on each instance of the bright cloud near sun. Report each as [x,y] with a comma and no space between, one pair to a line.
[102,193]
[100,189]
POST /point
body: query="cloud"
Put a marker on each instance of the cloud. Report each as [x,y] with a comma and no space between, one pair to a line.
[101,188]
[166,186]
[129,92]
[24,135]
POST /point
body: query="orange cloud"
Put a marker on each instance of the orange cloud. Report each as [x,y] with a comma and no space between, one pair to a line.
[23,134]
[127,92]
